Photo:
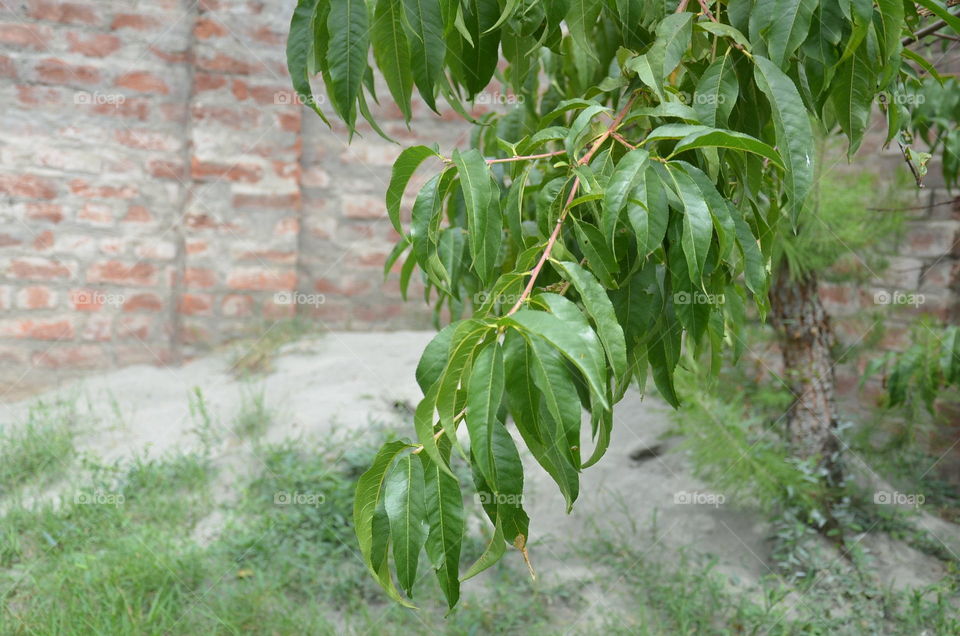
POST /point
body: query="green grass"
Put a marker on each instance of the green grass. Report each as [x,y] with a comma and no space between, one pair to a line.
[38,450]
[117,555]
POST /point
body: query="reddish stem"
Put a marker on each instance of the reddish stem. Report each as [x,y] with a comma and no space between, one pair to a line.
[527,157]
[535,272]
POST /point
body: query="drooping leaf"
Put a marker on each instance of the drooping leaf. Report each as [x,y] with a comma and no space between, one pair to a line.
[483,223]
[348,24]
[427,47]
[300,43]
[403,168]
[392,53]
[404,502]
[445,519]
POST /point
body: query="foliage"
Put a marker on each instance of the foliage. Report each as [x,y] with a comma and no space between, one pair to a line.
[919,374]
[628,204]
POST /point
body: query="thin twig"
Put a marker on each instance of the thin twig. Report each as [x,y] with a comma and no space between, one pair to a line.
[620,138]
[706,10]
[682,6]
[527,157]
[535,272]
[925,31]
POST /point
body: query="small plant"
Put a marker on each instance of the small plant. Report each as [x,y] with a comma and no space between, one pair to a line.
[39,449]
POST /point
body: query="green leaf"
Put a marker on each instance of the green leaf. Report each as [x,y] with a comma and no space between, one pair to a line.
[445,518]
[727,139]
[369,495]
[794,134]
[674,32]
[404,502]
[392,53]
[483,227]
[502,499]
[434,356]
[484,395]
[716,92]
[789,28]
[578,344]
[697,224]
[725,31]
[477,58]
[403,168]
[544,436]
[600,310]
[348,25]
[494,552]
[300,43]
[597,251]
[427,48]
[630,167]
[852,96]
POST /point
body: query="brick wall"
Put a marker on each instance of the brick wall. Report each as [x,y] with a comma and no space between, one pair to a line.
[159,186]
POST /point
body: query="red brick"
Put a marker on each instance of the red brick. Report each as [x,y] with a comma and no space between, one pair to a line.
[95,45]
[132,108]
[95,214]
[38,95]
[134,21]
[36,297]
[134,326]
[166,169]
[137,214]
[43,240]
[79,356]
[262,280]
[122,273]
[39,329]
[272,256]
[223,63]
[27,186]
[84,189]
[56,71]
[85,300]
[236,306]
[34,268]
[44,212]
[198,277]
[146,301]
[206,28]
[361,206]
[289,122]
[171,57]
[65,12]
[8,240]
[207,82]
[143,82]
[34,36]
[196,305]
[195,247]
[241,119]
[281,201]
[268,36]
[240,172]
[147,139]
[7,68]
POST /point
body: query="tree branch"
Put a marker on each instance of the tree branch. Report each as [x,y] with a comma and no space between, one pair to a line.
[535,272]
[925,31]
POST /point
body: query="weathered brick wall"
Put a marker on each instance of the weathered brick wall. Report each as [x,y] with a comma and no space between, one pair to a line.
[161,189]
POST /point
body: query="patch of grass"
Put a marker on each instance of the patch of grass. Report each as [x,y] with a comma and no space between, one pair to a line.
[40,449]
[255,357]
[254,416]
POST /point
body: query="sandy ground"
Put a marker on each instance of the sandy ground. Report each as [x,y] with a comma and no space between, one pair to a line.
[344,383]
